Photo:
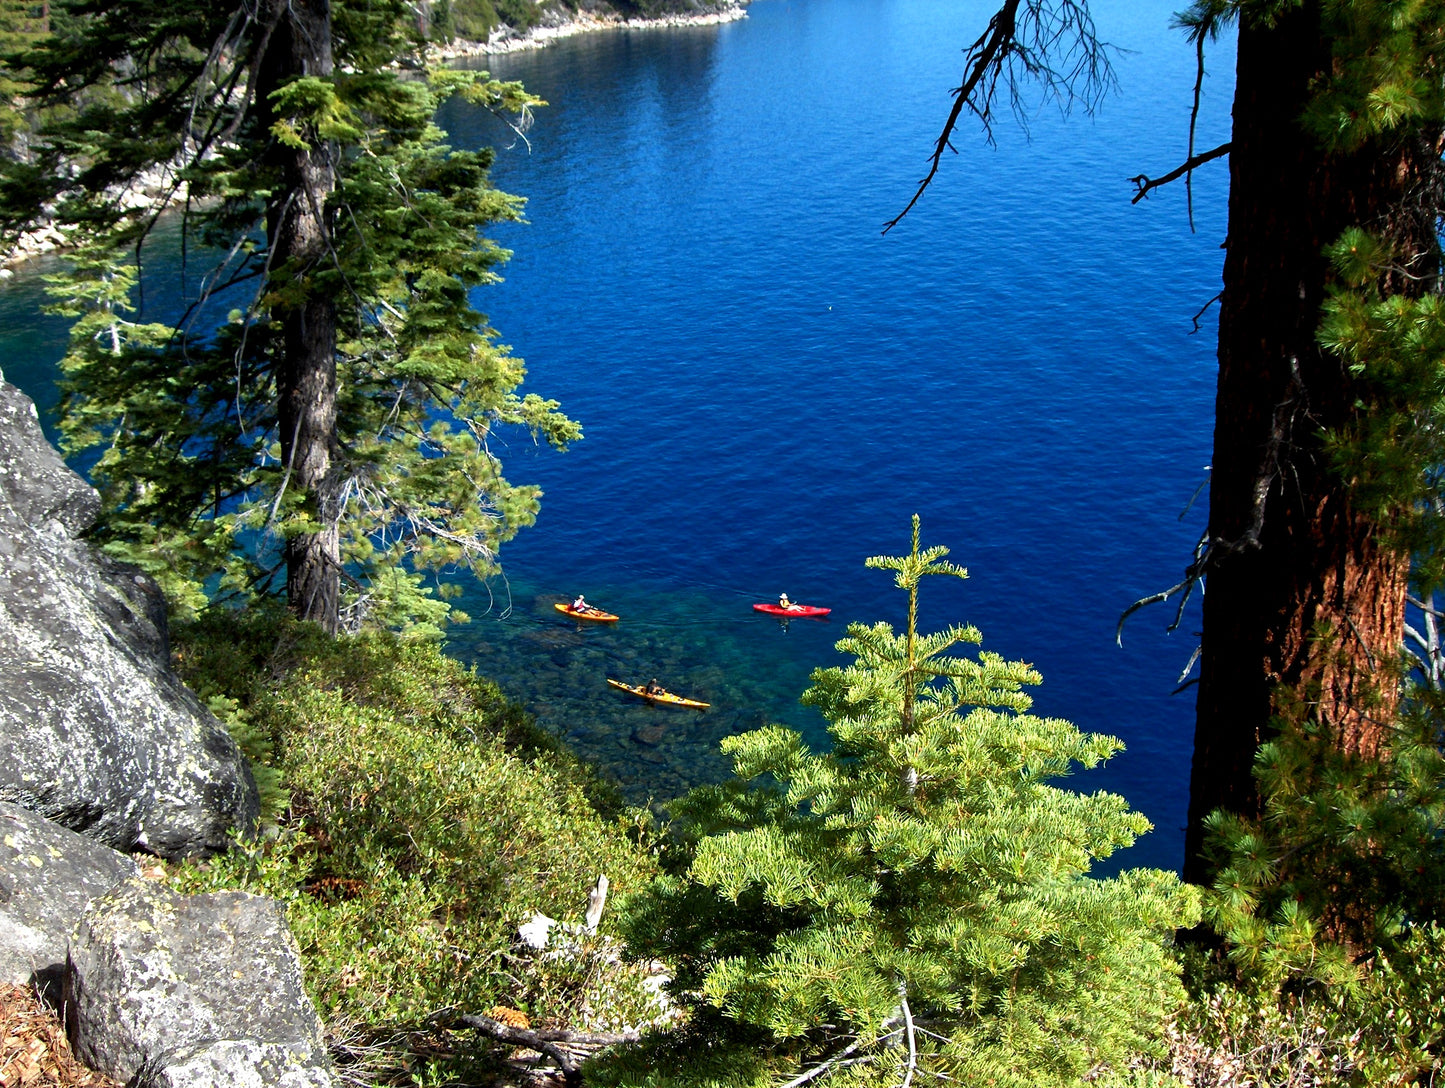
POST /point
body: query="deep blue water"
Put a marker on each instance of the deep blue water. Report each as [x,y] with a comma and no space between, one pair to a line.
[769,387]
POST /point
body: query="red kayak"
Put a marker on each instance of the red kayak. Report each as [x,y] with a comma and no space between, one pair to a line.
[793,610]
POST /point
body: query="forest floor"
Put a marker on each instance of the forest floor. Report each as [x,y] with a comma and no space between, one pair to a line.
[34,1049]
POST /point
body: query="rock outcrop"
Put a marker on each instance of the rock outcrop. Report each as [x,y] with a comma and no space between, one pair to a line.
[200,991]
[48,876]
[158,988]
[96,732]
[101,746]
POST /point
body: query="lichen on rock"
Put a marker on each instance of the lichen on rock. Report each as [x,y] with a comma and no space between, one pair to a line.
[96,731]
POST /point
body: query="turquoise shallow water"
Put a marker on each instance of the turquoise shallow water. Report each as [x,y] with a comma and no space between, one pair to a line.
[770,387]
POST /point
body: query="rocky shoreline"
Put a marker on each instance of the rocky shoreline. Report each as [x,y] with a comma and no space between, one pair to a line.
[507,40]
[153,188]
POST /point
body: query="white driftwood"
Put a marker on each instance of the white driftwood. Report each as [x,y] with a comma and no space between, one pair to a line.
[596,900]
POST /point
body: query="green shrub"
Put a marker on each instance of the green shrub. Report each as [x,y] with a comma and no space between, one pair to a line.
[915,903]
[1329,902]
[230,658]
[474,20]
[428,817]
[1346,849]
[1384,1029]
[237,660]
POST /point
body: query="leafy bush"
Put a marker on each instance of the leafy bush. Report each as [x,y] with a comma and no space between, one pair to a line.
[1328,903]
[428,817]
[917,901]
[1385,1028]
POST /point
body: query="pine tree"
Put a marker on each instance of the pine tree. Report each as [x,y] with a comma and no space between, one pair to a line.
[1313,510]
[1324,484]
[337,424]
[918,899]
[22,25]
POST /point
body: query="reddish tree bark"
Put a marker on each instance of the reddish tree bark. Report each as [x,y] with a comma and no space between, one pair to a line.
[1305,601]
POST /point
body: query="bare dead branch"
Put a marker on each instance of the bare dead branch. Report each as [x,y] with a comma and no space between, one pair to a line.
[1203,310]
[1193,127]
[1143,183]
[1051,42]
[1153,598]
[1201,23]
[1188,506]
[1424,606]
[912,1040]
[1183,589]
[980,56]
[828,1064]
[1427,649]
[1188,666]
[554,1043]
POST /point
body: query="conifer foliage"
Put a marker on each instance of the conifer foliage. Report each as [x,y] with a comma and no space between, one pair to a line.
[325,410]
[916,901]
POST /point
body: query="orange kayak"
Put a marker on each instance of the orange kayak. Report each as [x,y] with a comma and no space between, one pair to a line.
[596,615]
[666,698]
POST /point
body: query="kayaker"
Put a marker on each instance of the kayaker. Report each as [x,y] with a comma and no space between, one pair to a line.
[654,688]
[581,605]
[784,603]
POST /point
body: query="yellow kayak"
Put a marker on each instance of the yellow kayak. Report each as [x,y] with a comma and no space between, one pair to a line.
[666,698]
[594,614]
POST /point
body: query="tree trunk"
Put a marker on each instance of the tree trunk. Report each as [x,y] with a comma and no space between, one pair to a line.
[1304,602]
[298,232]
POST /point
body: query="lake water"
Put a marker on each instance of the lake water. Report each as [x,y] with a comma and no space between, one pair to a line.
[770,387]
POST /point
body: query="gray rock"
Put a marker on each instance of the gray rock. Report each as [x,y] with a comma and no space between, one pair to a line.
[201,991]
[96,732]
[48,876]
[38,485]
[238,1064]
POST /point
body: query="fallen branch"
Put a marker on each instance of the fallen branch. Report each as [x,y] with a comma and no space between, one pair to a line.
[550,1042]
